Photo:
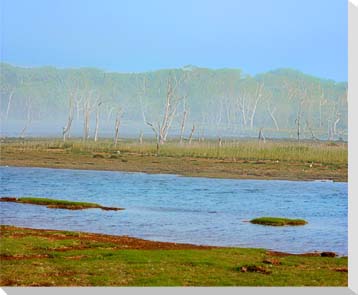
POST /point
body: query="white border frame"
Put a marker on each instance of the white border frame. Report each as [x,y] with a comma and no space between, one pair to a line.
[352,207]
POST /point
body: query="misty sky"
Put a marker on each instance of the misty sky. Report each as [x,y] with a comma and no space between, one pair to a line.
[134,35]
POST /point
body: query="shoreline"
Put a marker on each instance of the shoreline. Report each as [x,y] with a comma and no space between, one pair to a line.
[181,166]
[174,174]
[139,243]
[276,160]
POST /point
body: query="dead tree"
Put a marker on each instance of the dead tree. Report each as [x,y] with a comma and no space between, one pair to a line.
[11,95]
[247,102]
[162,128]
[97,121]
[67,128]
[322,102]
[88,107]
[261,136]
[182,127]
[330,130]
[109,110]
[258,95]
[272,111]
[311,131]
[298,120]
[78,102]
[86,119]
[336,121]
[142,92]
[141,137]
[191,134]
[117,125]
[242,107]
[28,116]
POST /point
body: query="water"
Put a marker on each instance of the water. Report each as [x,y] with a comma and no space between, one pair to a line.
[183,209]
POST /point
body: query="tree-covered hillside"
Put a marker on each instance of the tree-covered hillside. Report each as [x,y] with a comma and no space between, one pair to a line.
[223,102]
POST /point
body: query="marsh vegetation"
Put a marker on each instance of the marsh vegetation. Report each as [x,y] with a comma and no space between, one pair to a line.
[278,221]
[57,204]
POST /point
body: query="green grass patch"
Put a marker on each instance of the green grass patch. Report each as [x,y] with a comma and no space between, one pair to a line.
[278,221]
[56,258]
[59,204]
[45,201]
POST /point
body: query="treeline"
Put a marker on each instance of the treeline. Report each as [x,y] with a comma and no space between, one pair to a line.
[184,102]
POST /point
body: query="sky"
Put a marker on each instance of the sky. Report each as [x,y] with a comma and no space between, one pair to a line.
[140,35]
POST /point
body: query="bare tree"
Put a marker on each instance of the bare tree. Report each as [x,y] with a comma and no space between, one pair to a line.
[117,125]
[162,128]
[142,85]
[330,130]
[97,120]
[247,101]
[89,104]
[338,118]
[298,119]
[258,95]
[28,116]
[109,110]
[311,130]
[191,134]
[79,108]
[11,95]
[141,137]
[272,111]
[67,128]
[242,107]
[261,135]
[185,115]
[271,108]
[86,119]
[322,102]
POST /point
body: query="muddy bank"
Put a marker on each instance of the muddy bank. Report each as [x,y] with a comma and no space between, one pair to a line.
[186,166]
[126,242]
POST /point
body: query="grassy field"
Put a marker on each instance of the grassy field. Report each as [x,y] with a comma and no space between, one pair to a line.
[319,152]
[32,257]
[233,159]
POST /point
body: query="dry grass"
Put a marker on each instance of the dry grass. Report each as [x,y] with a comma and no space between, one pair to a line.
[239,159]
[315,152]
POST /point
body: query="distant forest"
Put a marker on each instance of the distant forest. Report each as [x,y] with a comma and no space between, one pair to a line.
[186,102]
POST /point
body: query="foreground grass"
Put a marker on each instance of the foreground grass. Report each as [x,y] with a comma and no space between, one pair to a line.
[57,258]
[234,159]
[59,204]
[278,221]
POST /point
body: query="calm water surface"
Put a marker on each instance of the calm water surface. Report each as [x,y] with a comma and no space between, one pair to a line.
[183,209]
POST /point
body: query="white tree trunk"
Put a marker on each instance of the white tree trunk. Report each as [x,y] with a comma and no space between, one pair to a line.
[272,112]
[257,98]
[67,128]
[9,104]
[182,127]
[191,134]
[28,117]
[97,122]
